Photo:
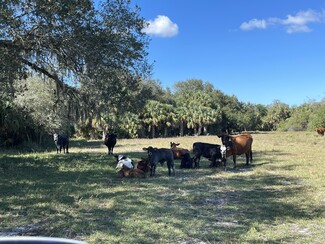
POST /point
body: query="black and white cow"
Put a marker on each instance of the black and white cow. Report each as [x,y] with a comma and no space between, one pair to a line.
[160,155]
[61,141]
[124,160]
[214,152]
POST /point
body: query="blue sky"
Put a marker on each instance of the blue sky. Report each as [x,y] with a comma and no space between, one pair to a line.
[259,51]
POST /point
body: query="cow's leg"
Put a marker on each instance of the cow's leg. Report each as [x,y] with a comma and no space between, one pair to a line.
[171,166]
[213,162]
[67,148]
[234,159]
[251,155]
[247,157]
[153,170]
[224,160]
[196,161]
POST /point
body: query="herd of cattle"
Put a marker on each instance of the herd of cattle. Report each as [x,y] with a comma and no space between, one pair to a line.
[217,154]
[232,145]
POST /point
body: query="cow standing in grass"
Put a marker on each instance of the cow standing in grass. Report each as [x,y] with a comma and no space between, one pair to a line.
[238,145]
[61,141]
[160,155]
[213,152]
[110,142]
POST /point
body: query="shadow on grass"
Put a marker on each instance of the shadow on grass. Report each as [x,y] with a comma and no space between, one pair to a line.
[78,196]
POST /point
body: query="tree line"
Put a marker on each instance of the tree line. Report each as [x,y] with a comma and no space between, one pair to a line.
[78,68]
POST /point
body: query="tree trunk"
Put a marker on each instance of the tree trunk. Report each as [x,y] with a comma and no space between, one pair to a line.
[181,130]
[166,131]
[153,132]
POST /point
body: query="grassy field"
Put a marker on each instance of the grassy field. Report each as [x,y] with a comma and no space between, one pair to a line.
[280,198]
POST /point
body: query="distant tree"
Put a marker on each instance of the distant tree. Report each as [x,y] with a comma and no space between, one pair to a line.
[277,113]
[231,114]
[299,118]
[250,116]
[37,98]
[317,117]
[157,116]
[192,85]
[195,105]
[130,124]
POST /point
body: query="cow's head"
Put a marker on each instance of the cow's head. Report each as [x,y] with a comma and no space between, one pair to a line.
[56,137]
[225,139]
[223,151]
[150,150]
[174,145]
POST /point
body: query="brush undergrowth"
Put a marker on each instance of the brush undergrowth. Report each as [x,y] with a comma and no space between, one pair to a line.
[280,198]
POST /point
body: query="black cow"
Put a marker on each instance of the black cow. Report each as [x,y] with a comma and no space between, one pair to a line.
[187,161]
[110,142]
[61,141]
[207,150]
[160,155]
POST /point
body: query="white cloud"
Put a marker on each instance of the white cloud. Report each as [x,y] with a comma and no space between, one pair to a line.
[292,23]
[161,26]
[298,23]
[253,24]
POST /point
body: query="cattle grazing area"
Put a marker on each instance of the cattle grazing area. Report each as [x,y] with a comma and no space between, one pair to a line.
[277,198]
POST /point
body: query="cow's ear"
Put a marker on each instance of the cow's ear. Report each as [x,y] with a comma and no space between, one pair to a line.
[145,149]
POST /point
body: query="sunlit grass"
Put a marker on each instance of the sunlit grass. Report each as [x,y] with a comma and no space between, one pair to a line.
[279,198]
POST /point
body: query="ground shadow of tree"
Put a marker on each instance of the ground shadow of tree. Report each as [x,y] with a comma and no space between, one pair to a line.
[76,195]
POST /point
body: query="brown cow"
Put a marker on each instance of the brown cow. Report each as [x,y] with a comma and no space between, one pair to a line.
[237,145]
[133,173]
[143,165]
[127,169]
[178,152]
[320,131]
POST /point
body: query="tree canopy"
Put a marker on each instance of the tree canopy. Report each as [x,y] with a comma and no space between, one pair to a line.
[83,65]
[73,43]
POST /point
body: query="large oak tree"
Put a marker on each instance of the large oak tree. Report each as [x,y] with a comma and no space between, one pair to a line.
[100,49]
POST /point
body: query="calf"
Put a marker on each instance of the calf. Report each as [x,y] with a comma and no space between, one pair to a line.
[133,173]
[187,161]
[320,131]
[211,151]
[178,152]
[127,169]
[160,155]
[237,145]
[143,164]
[61,141]
[110,141]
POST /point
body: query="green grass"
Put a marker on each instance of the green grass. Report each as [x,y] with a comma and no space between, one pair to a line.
[280,198]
